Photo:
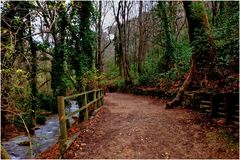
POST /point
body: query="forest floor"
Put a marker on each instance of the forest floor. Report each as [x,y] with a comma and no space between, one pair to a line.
[130,126]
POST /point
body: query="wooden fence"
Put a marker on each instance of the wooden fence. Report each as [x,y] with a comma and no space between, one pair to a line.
[97,101]
[221,105]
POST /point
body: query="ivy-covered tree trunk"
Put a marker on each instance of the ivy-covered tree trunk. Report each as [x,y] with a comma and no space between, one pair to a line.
[99,48]
[141,40]
[7,60]
[58,86]
[168,57]
[86,35]
[86,39]
[204,54]
[33,75]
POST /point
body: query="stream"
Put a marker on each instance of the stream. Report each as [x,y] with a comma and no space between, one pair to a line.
[44,137]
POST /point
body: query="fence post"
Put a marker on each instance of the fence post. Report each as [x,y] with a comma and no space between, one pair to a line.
[99,101]
[94,98]
[4,153]
[85,104]
[62,122]
[102,97]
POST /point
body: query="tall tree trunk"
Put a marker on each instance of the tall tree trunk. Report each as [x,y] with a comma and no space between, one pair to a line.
[33,76]
[141,41]
[124,66]
[204,54]
[99,29]
[169,54]
[57,85]
[214,12]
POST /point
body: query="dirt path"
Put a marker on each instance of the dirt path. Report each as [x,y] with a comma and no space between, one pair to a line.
[136,127]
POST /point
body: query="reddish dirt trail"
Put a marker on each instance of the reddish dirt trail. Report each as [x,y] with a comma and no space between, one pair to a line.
[131,126]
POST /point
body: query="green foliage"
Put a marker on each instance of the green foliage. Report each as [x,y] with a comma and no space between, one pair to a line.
[226,35]
[17,121]
[112,70]
[80,47]
[117,83]
[198,9]
[90,79]
[41,118]
[15,88]
[154,73]
[144,79]
[183,56]
[168,56]
[44,101]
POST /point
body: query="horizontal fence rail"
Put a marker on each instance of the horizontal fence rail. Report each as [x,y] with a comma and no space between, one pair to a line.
[97,101]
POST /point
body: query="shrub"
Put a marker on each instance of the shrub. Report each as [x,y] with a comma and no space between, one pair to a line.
[41,118]
[19,123]
[144,79]
[44,102]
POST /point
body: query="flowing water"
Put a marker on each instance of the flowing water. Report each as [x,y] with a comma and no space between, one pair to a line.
[44,137]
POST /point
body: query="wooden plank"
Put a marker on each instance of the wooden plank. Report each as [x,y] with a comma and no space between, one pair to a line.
[94,101]
[235,117]
[205,106]
[82,108]
[98,95]
[236,111]
[4,153]
[74,112]
[236,123]
[221,114]
[102,97]
[95,111]
[86,109]
[62,122]
[68,143]
[206,102]
[208,110]
[64,144]
[221,109]
[80,94]
[94,98]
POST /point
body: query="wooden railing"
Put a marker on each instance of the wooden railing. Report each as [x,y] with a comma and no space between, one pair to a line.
[97,101]
[217,105]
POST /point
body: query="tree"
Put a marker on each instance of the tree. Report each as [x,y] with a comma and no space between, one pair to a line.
[168,57]
[141,36]
[33,74]
[99,30]
[57,84]
[204,54]
[122,37]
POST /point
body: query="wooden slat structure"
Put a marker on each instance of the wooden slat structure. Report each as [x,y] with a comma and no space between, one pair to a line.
[97,101]
[221,105]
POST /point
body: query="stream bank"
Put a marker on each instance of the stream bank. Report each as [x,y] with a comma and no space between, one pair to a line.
[45,136]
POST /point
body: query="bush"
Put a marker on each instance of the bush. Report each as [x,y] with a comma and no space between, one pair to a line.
[19,123]
[44,102]
[144,79]
[41,118]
